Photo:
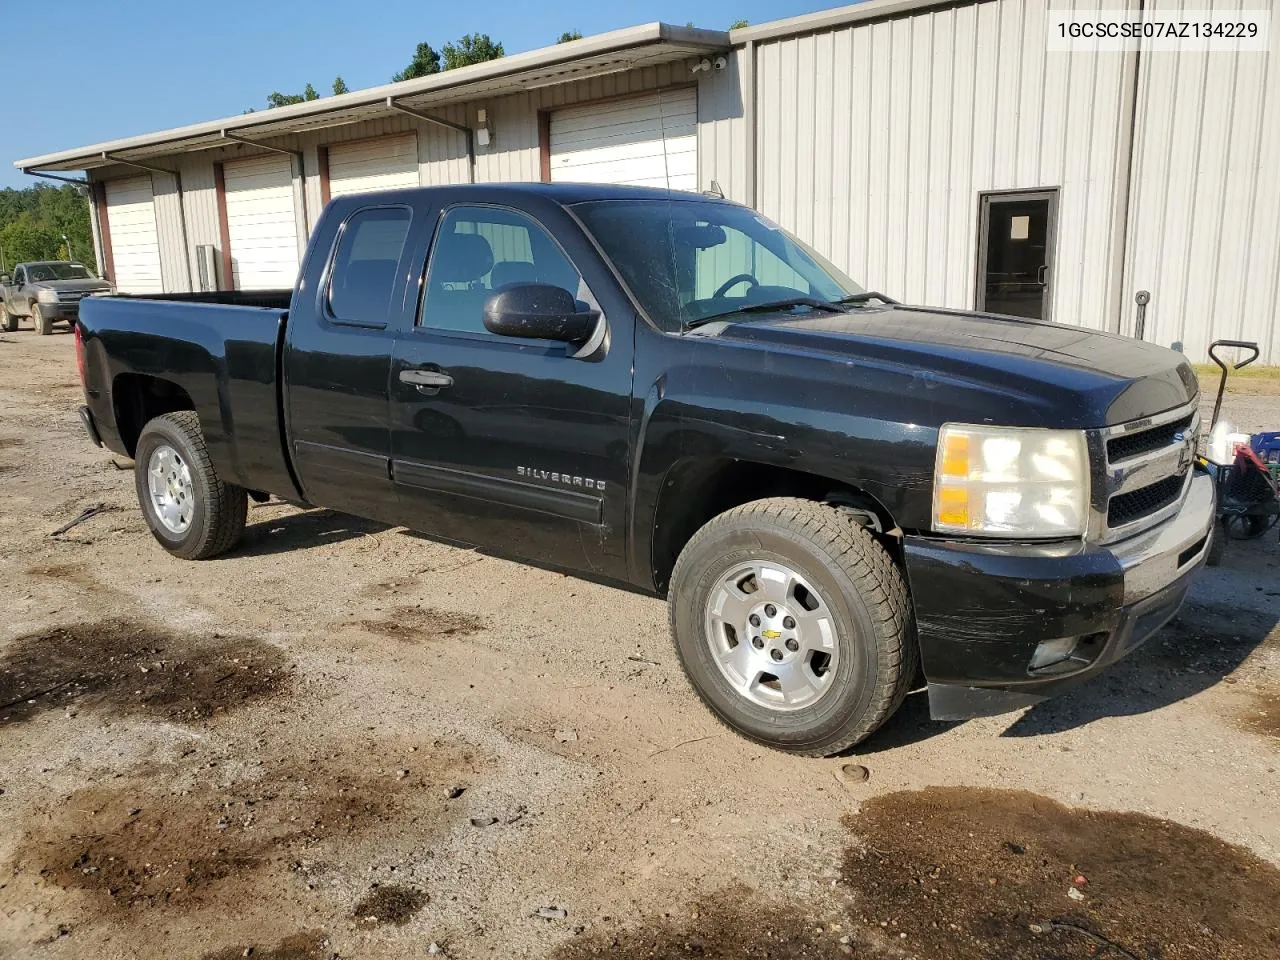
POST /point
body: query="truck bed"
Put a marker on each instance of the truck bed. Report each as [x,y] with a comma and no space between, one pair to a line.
[221,349]
[273,299]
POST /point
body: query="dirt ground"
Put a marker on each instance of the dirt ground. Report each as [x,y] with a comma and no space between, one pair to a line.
[346,740]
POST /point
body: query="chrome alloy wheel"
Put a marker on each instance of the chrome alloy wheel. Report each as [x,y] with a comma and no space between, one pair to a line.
[172,493]
[772,636]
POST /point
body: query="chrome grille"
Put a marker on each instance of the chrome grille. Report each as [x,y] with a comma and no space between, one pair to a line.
[1141,471]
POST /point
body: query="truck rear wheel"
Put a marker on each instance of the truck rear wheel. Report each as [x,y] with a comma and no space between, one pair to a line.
[190,510]
[794,625]
[7,320]
[44,326]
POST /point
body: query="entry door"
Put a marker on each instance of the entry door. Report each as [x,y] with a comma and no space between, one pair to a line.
[645,141]
[1015,253]
[510,444]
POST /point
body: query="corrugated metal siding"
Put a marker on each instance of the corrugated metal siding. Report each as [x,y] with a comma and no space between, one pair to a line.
[874,142]
[1205,218]
[199,196]
[722,129]
[174,266]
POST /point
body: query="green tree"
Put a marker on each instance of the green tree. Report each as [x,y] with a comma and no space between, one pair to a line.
[33,222]
[310,94]
[339,86]
[738,24]
[570,35]
[472,48]
[26,238]
[278,99]
[424,63]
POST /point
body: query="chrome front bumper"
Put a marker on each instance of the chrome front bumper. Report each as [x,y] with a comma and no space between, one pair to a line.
[1157,557]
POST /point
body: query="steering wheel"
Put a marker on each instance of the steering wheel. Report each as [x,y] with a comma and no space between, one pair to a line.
[732,282]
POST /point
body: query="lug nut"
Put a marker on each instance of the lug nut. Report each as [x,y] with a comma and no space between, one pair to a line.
[757,642]
[754,619]
[793,646]
[770,610]
[789,622]
[775,653]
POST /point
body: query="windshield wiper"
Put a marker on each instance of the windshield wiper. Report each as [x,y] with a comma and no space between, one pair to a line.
[769,306]
[865,296]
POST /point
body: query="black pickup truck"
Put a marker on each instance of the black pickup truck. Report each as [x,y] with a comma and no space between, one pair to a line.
[668,392]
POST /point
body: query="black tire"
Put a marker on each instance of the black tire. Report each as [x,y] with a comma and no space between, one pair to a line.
[44,326]
[864,591]
[7,320]
[218,514]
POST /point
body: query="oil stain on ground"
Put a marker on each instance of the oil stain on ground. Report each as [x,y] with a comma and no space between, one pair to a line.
[311,945]
[175,837]
[969,874]
[389,904]
[734,924]
[126,667]
[413,624]
[1262,715]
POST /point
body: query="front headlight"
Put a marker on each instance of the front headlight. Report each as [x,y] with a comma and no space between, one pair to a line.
[1011,481]
[47,296]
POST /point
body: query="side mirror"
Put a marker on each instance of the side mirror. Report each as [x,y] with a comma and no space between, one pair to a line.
[538,311]
[5,278]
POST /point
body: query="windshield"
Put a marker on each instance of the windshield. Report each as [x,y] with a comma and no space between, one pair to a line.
[690,260]
[38,272]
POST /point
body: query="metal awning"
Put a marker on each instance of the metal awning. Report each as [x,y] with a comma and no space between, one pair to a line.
[606,53]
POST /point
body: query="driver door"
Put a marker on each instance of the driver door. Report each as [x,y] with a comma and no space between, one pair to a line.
[507,443]
[14,297]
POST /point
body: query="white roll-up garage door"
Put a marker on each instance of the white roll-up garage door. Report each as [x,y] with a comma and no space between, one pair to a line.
[135,244]
[261,223]
[647,141]
[381,164]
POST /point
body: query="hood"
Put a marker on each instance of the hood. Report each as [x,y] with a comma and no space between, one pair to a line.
[90,285]
[1068,376]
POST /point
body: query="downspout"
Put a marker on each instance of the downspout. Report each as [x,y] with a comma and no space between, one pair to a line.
[182,206]
[749,122]
[466,131]
[296,154]
[1121,259]
[54,176]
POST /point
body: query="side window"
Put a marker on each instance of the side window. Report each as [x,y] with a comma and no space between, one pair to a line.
[481,249]
[19,277]
[364,265]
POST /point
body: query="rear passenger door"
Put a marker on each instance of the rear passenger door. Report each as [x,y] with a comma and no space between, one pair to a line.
[338,360]
[513,444]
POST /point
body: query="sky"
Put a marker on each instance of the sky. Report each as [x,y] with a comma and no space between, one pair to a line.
[116,68]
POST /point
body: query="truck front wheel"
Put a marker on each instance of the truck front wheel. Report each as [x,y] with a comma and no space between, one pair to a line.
[190,510]
[44,326]
[8,321]
[794,625]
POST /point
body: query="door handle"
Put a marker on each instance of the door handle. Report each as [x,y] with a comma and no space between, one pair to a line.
[427,381]
[1042,273]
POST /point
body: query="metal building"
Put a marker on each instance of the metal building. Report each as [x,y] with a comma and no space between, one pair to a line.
[934,149]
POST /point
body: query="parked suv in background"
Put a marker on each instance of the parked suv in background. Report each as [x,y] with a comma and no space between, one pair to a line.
[45,291]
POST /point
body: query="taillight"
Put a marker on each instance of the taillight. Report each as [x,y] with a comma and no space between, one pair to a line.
[80,355]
